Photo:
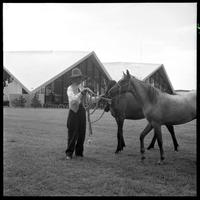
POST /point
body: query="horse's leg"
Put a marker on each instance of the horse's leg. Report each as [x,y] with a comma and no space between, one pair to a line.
[147,129]
[120,137]
[171,130]
[157,129]
[152,141]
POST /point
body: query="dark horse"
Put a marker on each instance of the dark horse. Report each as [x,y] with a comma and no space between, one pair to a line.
[125,106]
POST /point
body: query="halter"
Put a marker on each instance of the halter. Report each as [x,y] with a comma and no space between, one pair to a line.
[112,87]
[127,85]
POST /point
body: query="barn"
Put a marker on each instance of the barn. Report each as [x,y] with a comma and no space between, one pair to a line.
[46,74]
[154,74]
[12,87]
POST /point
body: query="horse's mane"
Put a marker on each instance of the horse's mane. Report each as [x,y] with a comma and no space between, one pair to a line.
[152,92]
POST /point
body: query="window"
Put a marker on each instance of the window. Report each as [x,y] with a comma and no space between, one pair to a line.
[24,91]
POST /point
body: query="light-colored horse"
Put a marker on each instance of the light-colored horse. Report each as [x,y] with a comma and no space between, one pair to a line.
[159,108]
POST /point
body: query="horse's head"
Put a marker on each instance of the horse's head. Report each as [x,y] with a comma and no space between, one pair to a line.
[122,86]
[124,83]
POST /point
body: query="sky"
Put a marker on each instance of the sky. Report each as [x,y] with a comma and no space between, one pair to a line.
[163,33]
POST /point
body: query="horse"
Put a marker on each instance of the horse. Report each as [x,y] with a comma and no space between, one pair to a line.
[125,106]
[159,108]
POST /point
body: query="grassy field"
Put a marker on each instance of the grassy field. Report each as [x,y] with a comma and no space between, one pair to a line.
[34,159]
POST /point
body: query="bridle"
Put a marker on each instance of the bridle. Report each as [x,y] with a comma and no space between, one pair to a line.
[112,88]
[120,89]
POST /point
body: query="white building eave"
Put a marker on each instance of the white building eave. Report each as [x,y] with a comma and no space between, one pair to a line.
[16,80]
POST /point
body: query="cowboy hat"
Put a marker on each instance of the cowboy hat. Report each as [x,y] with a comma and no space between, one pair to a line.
[76,73]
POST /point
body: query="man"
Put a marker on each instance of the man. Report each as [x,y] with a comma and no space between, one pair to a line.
[76,122]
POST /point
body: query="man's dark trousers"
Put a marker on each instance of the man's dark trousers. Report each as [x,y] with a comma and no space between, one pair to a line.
[76,124]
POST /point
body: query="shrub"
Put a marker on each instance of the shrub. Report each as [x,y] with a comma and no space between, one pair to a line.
[5,103]
[19,102]
[35,102]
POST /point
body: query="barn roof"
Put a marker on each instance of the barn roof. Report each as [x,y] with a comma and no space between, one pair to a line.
[140,70]
[35,68]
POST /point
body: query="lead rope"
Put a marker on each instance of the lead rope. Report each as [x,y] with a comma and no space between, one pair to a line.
[87,103]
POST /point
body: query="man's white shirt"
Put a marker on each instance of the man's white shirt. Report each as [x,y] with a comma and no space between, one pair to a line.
[74,96]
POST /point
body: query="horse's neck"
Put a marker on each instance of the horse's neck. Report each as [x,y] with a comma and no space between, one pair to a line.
[144,94]
[138,90]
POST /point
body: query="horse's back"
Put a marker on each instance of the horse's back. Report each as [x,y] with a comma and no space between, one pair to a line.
[176,109]
[188,98]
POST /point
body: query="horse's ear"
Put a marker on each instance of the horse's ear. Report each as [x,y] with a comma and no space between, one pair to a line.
[127,73]
[124,74]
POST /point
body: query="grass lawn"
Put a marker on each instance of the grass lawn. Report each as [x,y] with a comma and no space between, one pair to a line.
[34,142]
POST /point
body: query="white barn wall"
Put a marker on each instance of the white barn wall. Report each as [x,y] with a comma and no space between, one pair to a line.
[11,88]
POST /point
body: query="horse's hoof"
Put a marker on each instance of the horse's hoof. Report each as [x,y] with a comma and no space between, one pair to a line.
[150,147]
[142,158]
[117,151]
[142,151]
[160,162]
[176,148]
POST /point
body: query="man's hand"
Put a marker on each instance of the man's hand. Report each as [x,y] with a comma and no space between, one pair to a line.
[83,92]
[89,90]
[104,99]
